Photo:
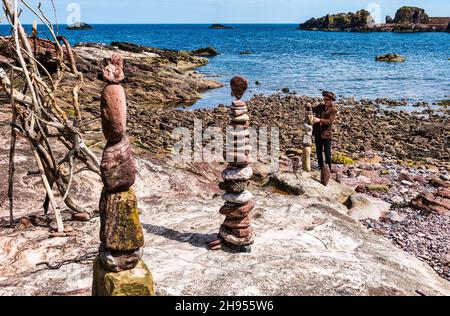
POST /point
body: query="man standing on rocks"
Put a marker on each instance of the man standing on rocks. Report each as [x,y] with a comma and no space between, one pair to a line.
[325,114]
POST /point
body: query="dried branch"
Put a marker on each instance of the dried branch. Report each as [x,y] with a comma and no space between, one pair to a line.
[36,110]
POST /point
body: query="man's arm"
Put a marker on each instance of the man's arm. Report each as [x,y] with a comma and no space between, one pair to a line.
[333,117]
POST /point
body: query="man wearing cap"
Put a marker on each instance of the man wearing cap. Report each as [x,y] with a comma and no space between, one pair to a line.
[325,114]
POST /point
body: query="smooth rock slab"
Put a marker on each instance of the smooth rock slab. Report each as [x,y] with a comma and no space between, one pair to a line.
[135,282]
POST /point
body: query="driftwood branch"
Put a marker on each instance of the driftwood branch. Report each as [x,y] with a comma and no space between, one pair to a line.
[38,113]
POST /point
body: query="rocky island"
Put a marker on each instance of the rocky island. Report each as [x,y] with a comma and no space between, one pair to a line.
[407,19]
[220,26]
[79,26]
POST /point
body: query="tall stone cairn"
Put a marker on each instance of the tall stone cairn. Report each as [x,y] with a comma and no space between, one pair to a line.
[236,233]
[307,138]
[118,269]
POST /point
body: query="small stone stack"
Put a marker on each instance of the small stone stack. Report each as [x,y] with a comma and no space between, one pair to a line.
[307,138]
[119,269]
[236,232]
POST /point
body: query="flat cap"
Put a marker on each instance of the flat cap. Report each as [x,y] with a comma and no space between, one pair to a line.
[329,94]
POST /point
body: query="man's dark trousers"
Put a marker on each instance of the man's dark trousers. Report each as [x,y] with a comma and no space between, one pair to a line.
[321,146]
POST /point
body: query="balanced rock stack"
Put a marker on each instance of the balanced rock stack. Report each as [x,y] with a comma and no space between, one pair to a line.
[119,269]
[307,138]
[236,232]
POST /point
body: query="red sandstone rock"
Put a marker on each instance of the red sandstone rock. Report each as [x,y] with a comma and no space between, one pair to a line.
[118,168]
[242,233]
[234,211]
[432,204]
[445,193]
[325,175]
[113,72]
[114,112]
[81,217]
[240,223]
[229,237]
[238,87]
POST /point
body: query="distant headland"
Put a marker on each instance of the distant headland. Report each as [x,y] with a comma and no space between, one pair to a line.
[406,20]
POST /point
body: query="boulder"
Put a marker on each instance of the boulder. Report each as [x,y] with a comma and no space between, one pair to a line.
[79,26]
[391,58]
[205,52]
[411,15]
[308,185]
[389,19]
[134,282]
[362,206]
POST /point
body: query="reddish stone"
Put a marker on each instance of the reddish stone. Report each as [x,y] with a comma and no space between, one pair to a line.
[57,235]
[241,125]
[215,245]
[240,223]
[235,211]
[436,182]
[238,87]
[81,217]
[242,233]
[113,72]
[445,193]
[429,203]
[325,175]
[114,113]
[229,237]
[118,168]
[239,104]
[215,248]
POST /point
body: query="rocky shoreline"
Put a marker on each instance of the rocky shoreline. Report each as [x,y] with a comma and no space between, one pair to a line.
[407,20]
[155,77]
[380,149]
[389,154]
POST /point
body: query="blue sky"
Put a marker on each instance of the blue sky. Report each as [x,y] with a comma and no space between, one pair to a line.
[222,11]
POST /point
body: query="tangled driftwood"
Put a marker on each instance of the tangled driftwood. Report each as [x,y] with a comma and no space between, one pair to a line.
[36,110]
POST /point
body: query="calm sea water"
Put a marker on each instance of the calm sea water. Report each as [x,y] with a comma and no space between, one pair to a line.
[303,61]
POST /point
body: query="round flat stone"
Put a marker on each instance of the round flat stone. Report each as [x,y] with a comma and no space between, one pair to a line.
[239,223]
[236,113]
[242,232]
[241,119]
[235,211]
[228,236]
[238,198]
[239,103]
[233,186]
[237,174]
[81,217]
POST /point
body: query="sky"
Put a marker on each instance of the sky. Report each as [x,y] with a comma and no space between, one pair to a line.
[219,11]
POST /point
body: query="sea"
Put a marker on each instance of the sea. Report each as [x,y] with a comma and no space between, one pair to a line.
[306,62]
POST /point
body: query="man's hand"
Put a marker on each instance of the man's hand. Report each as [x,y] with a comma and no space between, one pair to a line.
[316,120]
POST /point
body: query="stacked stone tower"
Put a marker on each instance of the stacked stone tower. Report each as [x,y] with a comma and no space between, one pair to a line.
[119,269]
[307,138]
[236,232]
